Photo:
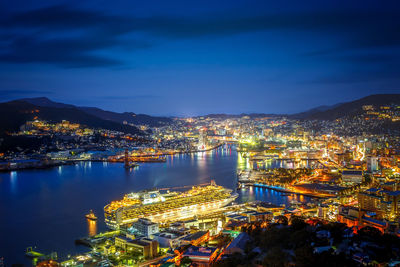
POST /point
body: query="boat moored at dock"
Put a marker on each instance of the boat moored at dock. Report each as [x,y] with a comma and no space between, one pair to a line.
[167,207]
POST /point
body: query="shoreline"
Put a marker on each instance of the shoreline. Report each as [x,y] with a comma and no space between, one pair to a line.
[75,161]
[284,190]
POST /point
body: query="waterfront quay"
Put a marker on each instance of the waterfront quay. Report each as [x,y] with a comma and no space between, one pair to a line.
[22,164]
[145,241]
[170,240]
[277,172]
[89,180]
[262,179]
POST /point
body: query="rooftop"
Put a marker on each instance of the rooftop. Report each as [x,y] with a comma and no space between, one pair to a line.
[199,251]
[352,172]
[195,236]
[240,241]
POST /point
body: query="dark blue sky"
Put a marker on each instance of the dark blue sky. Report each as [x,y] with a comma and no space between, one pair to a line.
[198,57]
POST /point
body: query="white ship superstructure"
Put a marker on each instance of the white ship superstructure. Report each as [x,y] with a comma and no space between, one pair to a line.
[168,207]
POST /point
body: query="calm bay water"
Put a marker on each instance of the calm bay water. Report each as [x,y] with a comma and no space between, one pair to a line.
[46,208]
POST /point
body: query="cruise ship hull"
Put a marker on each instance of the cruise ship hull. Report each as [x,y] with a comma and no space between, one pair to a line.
[163,212]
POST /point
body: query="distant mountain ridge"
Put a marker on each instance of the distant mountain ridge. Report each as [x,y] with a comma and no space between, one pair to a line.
[16,113]
[351,108]
[310,112]
[128,117]
[45,102]
[251,115]
[325,112]
[125,117]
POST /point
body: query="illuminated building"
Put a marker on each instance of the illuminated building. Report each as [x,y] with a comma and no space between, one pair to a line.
[203,141]
[238,245]
[145,227]
[372,164]
[48,263]
[352,176]
[370,200]
[196,238]
[344,157]
[348,215]
[167,239]
[201,256]
[390,186]
[353,216]
[368,107]
[385,203]
[147,247]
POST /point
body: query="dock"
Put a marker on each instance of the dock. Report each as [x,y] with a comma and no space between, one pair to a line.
[36,255]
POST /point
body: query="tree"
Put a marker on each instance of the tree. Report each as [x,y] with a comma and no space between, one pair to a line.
[234,259]
[370,233]
[276,257]
[304,256]
[297,223]
[281,220]
[186,261]
[300,238]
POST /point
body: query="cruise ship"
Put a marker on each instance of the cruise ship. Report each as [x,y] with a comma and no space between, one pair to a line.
[167,207]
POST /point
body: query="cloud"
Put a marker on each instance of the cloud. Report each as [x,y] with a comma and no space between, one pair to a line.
[385,73]
[370,58]
[365,66]
[129,97]
[374,56]
[63,17]
[68,53]
[65,37]
[58,17]
[71,37]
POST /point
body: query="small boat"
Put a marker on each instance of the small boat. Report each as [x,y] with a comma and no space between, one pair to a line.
[131,165]
[91,216]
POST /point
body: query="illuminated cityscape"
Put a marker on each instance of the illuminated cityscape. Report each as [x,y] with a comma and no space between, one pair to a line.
[330,177]
[239,133]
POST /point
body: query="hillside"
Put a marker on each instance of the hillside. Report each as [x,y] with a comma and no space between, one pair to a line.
[349,109]
[129,117]
[45,102]
[235,116]
[310,112]
[16,113]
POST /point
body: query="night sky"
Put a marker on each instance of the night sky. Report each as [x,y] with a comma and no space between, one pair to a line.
[199,57]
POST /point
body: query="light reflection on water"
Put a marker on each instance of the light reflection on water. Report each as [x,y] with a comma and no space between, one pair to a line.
[47,207]
[13,181]
[92,227]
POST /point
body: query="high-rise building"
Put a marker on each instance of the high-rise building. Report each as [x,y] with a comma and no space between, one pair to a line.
[203,141]
[145,227]
[372,164]
[148,248]
[383,202]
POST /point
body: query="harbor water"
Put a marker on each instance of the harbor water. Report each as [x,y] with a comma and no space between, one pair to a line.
[46,208]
